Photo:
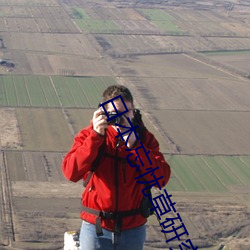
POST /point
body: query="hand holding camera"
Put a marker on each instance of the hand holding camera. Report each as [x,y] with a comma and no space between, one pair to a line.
[100,124]
[100,121]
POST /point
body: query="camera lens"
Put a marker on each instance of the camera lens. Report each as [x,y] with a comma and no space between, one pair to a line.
[114,119]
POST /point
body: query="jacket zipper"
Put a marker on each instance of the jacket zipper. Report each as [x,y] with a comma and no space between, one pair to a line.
[116,178]
[117,219]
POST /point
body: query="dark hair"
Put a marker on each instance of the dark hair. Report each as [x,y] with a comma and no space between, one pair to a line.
[115,90]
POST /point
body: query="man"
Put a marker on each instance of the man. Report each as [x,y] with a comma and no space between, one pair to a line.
[112,199]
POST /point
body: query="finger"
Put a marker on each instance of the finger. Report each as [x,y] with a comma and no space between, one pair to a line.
[100,123]
[97,113]
[101,108]
[101,118]
[98,117]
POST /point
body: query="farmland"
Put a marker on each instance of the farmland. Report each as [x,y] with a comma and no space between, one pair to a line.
[209,173]
[55,91]
[187,65]
[162,20]
[236,59]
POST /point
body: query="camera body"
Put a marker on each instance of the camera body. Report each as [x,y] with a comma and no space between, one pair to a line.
[118,119]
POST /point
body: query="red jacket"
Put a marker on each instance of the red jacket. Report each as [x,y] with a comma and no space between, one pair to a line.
[101,192]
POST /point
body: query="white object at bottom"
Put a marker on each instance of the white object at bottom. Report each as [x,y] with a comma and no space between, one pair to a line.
[71,240]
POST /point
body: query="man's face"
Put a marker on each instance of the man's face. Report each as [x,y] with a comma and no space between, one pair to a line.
[121,108]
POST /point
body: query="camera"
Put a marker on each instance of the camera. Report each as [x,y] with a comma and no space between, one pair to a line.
[118,119]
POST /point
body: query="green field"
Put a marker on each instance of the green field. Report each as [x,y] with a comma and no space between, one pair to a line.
[156,15]
[55,91]
[161,19]
[87,23]
[79,13]
[226,53]
[208,173]
[92,25]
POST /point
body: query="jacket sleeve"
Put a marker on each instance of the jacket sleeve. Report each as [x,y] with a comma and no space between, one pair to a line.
[83,152]
[152,152]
